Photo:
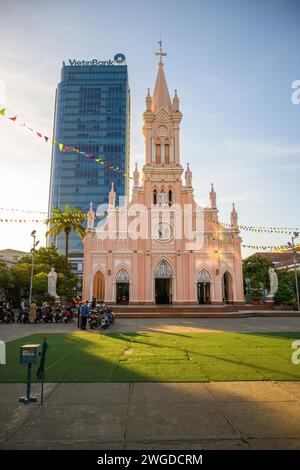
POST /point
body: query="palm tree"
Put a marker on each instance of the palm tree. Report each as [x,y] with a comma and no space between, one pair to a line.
[67,221]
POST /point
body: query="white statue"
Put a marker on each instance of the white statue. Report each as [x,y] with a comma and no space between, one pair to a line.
[163,198]
[52,279]
[273,282]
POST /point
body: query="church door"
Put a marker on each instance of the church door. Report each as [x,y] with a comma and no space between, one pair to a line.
[203,287]
[203,290]
[227,287]
[122,292]
[163,291]
[163,283]
[122,287]
[99,286]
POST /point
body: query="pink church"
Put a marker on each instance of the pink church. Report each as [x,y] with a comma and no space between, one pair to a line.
[162,248]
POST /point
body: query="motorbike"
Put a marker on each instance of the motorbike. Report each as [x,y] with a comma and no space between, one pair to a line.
[68,315]
[48,315]
[93,319]
[6,316]
[39,315]
[110,315]
[104,320]
[58,317]
[23,316]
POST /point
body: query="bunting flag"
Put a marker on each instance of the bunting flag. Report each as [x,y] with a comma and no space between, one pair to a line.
[267,247]
[67,148]
[252,228]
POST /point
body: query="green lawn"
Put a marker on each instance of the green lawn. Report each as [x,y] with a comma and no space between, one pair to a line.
[159,357]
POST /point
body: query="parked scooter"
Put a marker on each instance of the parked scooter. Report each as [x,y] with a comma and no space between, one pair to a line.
[58,317]
[68,315]
[94,319]
[23,316]
[6,316]
[48,315]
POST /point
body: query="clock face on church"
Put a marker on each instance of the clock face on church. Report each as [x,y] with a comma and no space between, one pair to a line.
[163,232]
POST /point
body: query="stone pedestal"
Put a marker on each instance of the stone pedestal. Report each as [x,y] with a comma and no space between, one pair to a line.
[269,300]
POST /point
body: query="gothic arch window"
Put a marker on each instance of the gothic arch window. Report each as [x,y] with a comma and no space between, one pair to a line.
[163,270]
[170,197]
[158,153]
[154,196]
[203,276]
[167,153]
[122,276]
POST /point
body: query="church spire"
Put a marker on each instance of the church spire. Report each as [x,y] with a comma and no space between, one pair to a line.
[234,217]
[213,197]
[112,196]
[161,97]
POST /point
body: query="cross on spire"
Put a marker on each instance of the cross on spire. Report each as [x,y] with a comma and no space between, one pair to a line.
[160,53]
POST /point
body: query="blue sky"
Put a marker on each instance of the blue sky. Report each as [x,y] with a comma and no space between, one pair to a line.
[233,63]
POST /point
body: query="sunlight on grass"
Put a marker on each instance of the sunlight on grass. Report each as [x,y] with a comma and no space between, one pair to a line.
[159,357]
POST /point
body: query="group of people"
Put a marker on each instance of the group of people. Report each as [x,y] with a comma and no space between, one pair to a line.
[46,312]
[89,307]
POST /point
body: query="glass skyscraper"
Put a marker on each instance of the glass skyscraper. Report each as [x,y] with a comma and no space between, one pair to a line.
[92,112]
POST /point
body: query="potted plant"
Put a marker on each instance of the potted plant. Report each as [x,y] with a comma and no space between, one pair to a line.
[256,296]
[283,297]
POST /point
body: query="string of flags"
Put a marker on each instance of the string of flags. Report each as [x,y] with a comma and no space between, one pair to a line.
[45,221]
[253,228]
[67,148]
[267,247]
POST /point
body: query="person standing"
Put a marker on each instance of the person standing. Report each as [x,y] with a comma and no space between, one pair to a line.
[84,313]
[23,306]
[32,312]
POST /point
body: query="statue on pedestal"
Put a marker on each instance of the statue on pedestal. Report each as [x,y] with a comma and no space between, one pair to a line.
[273,282]
[52,280]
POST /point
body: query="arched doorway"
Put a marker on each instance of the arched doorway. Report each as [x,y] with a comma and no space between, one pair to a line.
[227,292]
[163,283]
[99,286]
[204,287]
[122,287]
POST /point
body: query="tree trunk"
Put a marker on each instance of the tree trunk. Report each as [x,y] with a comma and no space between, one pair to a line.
[67,250]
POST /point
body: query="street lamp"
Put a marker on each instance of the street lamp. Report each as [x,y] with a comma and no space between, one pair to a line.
[292,245]
[35,244]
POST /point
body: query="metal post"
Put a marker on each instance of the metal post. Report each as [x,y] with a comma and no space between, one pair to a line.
[295,269]
[35,244]
[32,264]
[28,390]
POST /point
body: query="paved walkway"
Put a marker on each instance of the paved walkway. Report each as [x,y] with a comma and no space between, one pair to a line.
[224,415]
[173,325]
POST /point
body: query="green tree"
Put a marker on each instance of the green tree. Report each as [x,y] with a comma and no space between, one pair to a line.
[67,221]
[40,283]
[21,273]
[256,268]
[45,258]
[66,285]
[284,294]
[7,280]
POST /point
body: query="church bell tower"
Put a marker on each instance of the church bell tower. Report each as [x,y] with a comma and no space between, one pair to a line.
[162,169]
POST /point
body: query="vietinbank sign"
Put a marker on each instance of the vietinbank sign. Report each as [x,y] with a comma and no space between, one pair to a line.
[118,60]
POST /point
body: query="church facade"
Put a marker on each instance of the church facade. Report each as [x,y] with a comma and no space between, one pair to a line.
[162,248]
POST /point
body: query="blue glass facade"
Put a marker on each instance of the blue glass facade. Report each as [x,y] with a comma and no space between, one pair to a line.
[92,109]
